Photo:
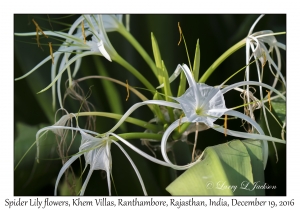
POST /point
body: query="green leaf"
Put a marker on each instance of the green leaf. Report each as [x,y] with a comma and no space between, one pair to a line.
[156,51]
[30,178]
[254,149]
[196,66]
[279,105]
[158,61]
[167,90]
[157,109]
[227,169]
[71,186]
[24,140]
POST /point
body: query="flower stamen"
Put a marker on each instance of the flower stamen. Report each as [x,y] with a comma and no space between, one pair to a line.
[51,52]
[225,125]
[83,33]
[269,99]
[180,33]
[127,88]
[38,30]
[199,111]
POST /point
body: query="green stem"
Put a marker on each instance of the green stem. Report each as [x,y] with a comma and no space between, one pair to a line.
[128,136]
[132,120]
[223,57]
[183,127]
[135,72]
[122,30]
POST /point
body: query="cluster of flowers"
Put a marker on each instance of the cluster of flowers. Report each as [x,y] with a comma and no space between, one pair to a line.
[200,103]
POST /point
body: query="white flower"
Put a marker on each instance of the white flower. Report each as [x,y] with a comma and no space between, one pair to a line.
[76,44]
[200,102]
[96,152]
[255,42]
[204,104]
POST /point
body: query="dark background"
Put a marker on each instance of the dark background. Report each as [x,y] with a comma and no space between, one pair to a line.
[216,34]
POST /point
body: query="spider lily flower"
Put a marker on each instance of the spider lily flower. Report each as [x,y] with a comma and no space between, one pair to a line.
[256,42]
[96,152]
[99,44]
[204,104]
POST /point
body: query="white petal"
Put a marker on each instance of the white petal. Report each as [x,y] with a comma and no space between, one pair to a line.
[137,105]
[63,169]
[87,179]
[133,166]
[103,51]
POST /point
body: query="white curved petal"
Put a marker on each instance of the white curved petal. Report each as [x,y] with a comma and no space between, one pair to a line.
[145,155]
[137,105]
[238,84]
[173,76]
[247,135]
[257,127]
[254,24]
[133,166]
[86,181]
[164,140]
[103,51]
[63,169]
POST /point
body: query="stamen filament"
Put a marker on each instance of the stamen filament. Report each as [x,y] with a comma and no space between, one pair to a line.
[127,88]
[269,99]
[51,52]
[180,33]
[38,29]
[83,33]
[225,125]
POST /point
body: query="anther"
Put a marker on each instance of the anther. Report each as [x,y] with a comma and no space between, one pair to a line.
[225,125]
[127,88]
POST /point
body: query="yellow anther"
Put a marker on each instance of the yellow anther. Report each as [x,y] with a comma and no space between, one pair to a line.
[269,99]
[180,121]
[127,88]
[83,33]
[51,52]
[180,32]
[225,125]
[38,30]
[265,60]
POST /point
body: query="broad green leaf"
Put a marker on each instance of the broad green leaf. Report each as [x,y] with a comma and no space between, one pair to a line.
[196,67]
[254,148]
[226,169]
